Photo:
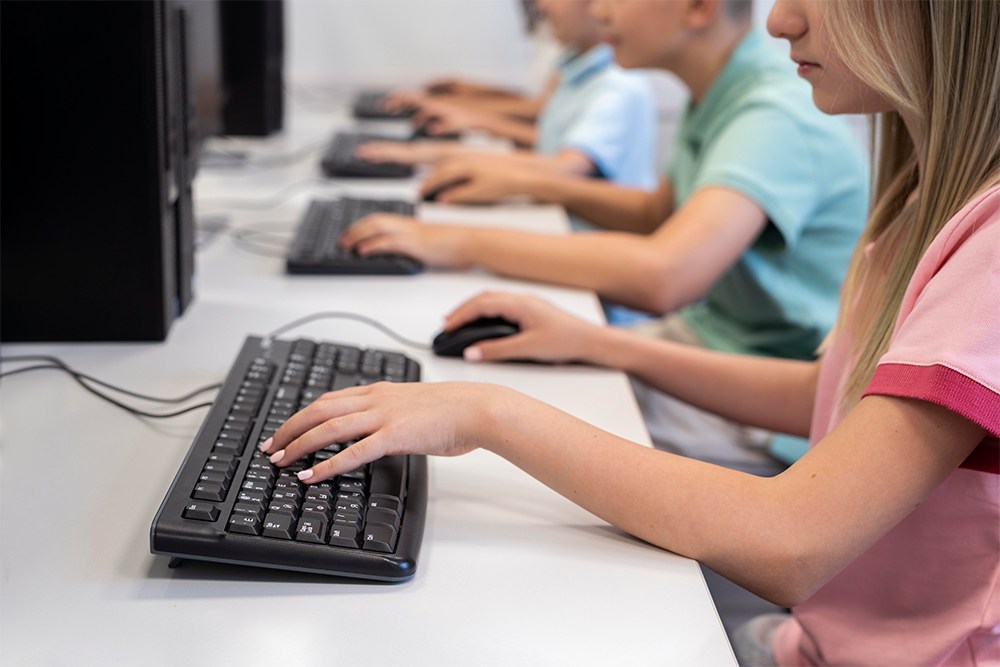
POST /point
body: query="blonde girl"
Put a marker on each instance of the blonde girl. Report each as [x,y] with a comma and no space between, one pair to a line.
[885,537]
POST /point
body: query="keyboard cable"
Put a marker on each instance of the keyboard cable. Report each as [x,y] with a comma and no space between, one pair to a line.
[54,363]
[342,315]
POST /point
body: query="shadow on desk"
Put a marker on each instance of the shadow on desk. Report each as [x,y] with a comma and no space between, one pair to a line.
[197,570]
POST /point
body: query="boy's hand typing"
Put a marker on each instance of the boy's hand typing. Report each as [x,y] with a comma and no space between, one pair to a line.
[437,245]
[479,179]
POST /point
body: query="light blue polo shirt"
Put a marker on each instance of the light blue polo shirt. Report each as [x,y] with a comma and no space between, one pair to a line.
[758,132]
[604,112]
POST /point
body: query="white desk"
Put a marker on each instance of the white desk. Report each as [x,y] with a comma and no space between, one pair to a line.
[509,572]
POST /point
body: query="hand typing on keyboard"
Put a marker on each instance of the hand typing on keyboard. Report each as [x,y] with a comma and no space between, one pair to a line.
[414,152]
[381,233]
[443,419]
[479,179]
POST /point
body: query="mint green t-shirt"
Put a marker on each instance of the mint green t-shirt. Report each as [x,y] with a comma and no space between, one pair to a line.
[757,131]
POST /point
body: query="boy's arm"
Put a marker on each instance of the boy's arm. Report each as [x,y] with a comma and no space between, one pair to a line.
[466,180]
[656,273]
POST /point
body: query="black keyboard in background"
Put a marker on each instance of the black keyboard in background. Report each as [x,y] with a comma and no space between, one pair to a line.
[315,250]
[229,504]
[368,106]
[339,159]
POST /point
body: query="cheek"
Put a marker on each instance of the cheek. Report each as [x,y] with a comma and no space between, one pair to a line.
[839,91]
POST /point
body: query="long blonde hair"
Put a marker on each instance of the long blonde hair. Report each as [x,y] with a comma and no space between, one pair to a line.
[936,62]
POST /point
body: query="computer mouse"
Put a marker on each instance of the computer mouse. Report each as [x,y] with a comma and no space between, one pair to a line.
[423,133]
[437,192]
[453,343]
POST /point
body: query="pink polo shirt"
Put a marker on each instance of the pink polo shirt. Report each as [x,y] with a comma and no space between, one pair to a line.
[928,592]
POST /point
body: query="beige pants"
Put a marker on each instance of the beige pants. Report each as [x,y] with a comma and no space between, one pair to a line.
[680,428]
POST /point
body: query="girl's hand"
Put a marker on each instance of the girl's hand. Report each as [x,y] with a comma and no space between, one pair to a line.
[547,333]
[380,233]
[442,419]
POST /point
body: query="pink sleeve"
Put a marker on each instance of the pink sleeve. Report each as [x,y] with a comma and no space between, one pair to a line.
[946,346]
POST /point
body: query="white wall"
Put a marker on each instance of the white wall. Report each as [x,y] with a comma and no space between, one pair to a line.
[400,42]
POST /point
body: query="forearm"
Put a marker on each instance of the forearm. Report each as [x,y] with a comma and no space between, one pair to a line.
[513,106]
[607,205]
[569,162]
[776,394]
[621,267]
[725,519]
[518,131]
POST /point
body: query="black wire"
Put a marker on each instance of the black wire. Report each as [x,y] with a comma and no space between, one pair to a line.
[59,363]
[344,316]
[82,379]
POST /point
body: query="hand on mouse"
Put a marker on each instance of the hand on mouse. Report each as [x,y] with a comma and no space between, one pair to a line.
[436,245]
[402,100]
[547,333]
[475,179]
[443,419]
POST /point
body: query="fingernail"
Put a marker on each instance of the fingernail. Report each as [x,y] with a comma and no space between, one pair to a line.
[277,456]
[264,446]
[473,354]
[304,475]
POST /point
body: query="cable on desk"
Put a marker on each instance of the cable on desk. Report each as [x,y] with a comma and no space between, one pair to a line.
[343,316]
[54,363]
[265,203]
[257,246]
[249,237]
[317,102]
[245,162]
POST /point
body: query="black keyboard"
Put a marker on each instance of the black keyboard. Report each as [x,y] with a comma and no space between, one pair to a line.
[368,106]
[315,249]
[229,504]
[339,159]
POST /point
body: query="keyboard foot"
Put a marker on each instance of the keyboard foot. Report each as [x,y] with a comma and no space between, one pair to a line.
[174,562]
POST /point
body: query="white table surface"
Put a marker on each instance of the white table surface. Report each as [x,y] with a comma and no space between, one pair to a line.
[509,572]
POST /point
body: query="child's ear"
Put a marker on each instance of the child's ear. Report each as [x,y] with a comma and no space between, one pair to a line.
[700,14]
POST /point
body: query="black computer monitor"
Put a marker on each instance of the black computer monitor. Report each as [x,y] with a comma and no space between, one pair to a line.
[253,56]
[199,32]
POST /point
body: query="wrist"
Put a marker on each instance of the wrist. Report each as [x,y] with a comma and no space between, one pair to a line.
[465,249]
[605,346]
[502,410]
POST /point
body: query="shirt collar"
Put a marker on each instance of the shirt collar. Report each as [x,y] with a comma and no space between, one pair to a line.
[575,66]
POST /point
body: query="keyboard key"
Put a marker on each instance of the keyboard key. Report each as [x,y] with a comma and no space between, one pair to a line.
[209,491]
[249,509]
[387,476]
[279,524]
[311,530]
[379,537]
[244,524]
[388,502]
[201,512]
[382,515]
[344,535]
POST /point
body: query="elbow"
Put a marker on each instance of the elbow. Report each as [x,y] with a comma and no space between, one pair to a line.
[792,575]
[660,287]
